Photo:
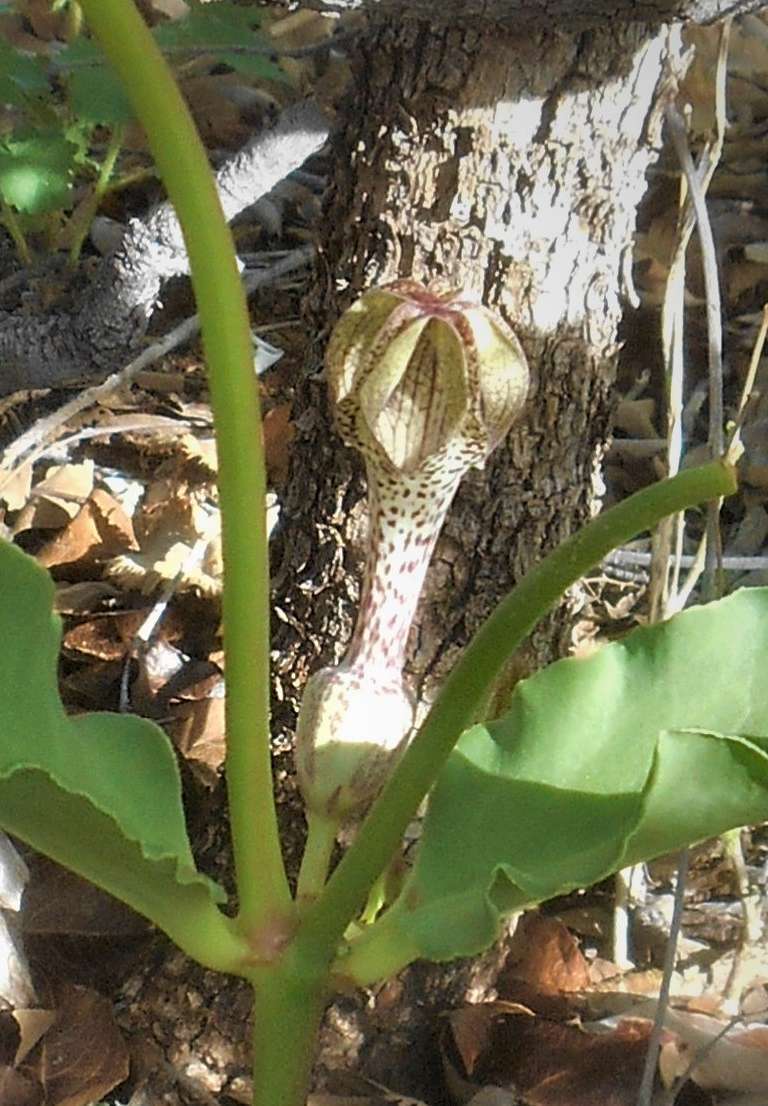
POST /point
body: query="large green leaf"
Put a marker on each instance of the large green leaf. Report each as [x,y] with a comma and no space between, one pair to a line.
[100,793]
[649,744]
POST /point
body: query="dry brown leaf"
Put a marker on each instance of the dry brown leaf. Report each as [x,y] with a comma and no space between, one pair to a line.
[45,24]
[59,902]
[177,531]
[16,987]
[100,530]
[93,686]
[551,1064]
[17,1089]
[83,1055]
[15,486]
[106,637]
[84,597]
[218,119]
[32,1025]
[10,1035]
[544,954]
[57,498]
[470,1031]
[198,732]
[201,451]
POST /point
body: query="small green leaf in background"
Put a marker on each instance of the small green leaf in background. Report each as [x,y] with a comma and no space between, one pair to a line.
[99,793]
[21,77]
[95,93]
[219,28]
[650,744]
[215,25]
[36,169]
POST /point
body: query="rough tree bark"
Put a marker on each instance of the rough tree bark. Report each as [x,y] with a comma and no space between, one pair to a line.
[508,158]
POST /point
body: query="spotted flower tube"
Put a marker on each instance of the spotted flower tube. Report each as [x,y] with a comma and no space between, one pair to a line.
[425,384]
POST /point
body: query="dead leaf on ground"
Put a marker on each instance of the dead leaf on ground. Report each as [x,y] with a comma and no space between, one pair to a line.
[59,902]
[83,1055]
[16,986]
[197,729]
[107,637]
[15,486]
[32,1024]
[177,532]
[100,530]
[76,932]
[84,597]
[17,1089]
[548,1063]
[57,498]
[544,954]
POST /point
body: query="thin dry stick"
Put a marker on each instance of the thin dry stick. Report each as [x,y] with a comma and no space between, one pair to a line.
[697,191]
[752,918]
[748,563]
[734,447]
[673,309]
[667,540]
[714,330]
[733,451]
[670,953]
[29,446]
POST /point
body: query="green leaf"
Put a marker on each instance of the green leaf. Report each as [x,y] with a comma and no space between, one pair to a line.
[216,25]
[648,745]
[99,793]
[95,93]
[36,169]
[21,77]
[223,29]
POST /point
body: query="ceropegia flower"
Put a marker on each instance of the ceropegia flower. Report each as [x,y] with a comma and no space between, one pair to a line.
[425,384]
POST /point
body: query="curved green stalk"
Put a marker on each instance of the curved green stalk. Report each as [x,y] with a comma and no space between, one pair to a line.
[80,223]
[321,839]
[470,681]
[183,165]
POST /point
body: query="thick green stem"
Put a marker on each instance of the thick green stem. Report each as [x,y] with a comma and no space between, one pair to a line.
[183,165]
[469,682]
[287,1010]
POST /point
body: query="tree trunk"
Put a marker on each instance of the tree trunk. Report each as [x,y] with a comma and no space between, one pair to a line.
[510,164]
